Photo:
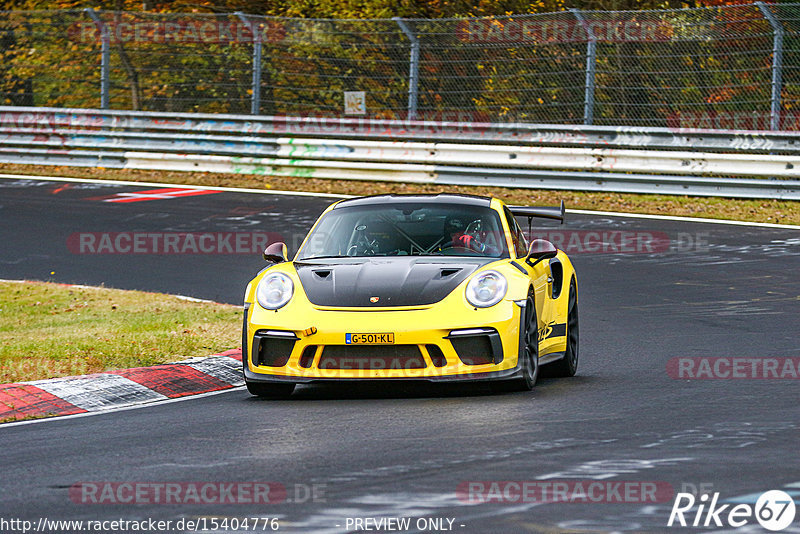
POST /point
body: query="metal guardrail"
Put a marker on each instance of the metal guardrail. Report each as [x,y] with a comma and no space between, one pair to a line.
[591,158]
[523,157]
[61,120]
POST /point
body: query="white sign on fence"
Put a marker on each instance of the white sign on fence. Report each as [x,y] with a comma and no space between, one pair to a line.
[355,103]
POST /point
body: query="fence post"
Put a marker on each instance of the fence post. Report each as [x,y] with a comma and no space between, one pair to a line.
[777,66]
[255,99]
[105,57]
[591,63]
[413,68]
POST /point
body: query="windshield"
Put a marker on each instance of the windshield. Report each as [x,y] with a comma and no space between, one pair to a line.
[406,229]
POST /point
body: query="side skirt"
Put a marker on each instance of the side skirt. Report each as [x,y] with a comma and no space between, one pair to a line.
[552,357]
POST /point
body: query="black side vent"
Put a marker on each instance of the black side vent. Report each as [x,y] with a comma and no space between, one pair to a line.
[477,346]
[307,358]
[272,349]
[557,272]
[474,350]
[323,274]
[437,356]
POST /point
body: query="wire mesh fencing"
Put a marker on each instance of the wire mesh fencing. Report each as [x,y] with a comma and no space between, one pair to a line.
[731,67]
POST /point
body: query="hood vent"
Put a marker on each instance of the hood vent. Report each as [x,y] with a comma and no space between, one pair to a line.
[448,271]
[395,280]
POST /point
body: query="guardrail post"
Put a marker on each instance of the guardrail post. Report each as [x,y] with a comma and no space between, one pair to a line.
[255,99]
[413,68]
[591,64]
[105,57]
[777,66]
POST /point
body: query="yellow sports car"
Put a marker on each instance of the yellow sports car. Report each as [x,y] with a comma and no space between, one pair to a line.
[412,287]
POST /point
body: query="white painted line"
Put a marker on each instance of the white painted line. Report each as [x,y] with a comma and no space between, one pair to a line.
[192,299]
[98,392]
[331,195]
[118,409]
[130,197]
[164,184]
[77,286]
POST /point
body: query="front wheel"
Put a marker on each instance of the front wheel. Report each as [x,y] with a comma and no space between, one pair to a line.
[270,390]
[530,349]
[568,365]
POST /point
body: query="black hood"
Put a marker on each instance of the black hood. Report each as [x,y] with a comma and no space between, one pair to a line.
[394,281]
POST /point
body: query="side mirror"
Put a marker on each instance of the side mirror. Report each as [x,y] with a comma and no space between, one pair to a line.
[540,249]
[276,253]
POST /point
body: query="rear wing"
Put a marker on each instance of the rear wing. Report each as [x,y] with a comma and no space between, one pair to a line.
[547,212]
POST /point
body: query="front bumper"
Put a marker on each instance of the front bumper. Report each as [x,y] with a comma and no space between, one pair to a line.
[480,345]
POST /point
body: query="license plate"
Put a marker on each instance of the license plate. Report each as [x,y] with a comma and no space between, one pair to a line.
[369,339]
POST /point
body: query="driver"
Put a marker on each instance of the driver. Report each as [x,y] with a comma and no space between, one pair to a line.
[455,234]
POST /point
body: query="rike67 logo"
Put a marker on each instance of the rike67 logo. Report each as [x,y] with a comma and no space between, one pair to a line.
[774,510]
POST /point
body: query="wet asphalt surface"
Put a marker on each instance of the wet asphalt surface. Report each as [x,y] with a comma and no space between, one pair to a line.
[370,452]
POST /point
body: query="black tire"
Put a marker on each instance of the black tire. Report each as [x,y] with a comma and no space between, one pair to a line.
[530,364]
[266,390]
[568,365]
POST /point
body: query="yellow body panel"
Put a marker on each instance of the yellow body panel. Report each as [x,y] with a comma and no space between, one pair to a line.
[419,325]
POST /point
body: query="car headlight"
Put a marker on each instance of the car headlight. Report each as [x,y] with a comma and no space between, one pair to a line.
[274,291]
[486,289]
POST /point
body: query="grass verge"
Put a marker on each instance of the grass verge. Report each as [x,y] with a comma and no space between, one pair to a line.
[49,330]
[768,211]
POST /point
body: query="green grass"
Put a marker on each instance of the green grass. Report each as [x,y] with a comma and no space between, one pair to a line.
[49,330]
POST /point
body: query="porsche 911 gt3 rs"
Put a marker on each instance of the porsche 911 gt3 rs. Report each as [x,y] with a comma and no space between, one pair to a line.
[412,287]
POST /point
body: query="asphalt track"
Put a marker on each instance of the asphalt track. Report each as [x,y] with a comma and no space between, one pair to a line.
[402,451]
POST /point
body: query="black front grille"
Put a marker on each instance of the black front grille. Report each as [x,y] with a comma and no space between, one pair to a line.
[371,357]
